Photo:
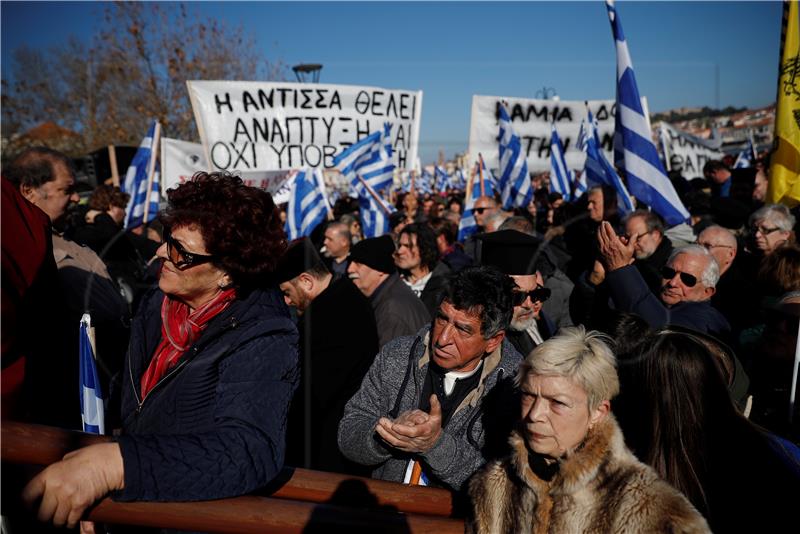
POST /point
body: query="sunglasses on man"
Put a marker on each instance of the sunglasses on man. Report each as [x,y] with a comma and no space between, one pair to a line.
[540,294]
[689,280]
[180,257]
[480,211]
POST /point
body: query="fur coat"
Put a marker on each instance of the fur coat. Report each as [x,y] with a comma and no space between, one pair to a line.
[599,487]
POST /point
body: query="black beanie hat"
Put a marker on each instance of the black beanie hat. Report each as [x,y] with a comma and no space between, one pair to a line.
[514,253]
[375,253]
[300,256]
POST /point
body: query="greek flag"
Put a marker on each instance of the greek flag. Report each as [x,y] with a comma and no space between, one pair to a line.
[424,182]
[747,156]
[561,177]
[467,225]
[598,171]
[373,212]
[514,182]
[308,205]
[370,158]
[634,151]
[489,182]
[136,181]
[441,178]
[92,406]
[459,181]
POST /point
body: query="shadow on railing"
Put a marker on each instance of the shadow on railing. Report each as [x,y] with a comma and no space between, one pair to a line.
[298,500]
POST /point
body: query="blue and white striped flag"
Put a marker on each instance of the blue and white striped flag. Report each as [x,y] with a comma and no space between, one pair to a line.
[467,225]
[634,151]
[92,404]
[136,181]
[308,204]
[370,158]
[441,178]
[374,213]
[561,177]
[598,171]
[459,181]
[747,156]
[515,184]
[424,181]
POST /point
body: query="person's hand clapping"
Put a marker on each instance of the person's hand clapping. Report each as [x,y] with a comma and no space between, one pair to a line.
[616,253]
[413,431]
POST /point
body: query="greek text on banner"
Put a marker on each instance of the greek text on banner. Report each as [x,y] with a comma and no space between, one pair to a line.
[265,126]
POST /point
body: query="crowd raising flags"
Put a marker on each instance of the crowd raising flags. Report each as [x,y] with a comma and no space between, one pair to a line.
[142,181]
[373,210]
[515,184]
[92,406]
[784,181]
[308,204]
[561,177]
[634,151]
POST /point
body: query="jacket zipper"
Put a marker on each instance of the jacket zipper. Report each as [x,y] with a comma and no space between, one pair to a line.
[140,403]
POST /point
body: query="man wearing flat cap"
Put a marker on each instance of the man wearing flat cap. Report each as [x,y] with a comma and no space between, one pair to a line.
[338,341]
[398,312]
[520,256]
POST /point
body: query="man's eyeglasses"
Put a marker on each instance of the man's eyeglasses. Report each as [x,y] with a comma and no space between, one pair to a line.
[689,280]
[480,211]
[709,246]
[763,229]
[180,257]
[540,294]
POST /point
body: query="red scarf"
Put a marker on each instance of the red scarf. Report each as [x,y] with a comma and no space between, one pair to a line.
[179,329]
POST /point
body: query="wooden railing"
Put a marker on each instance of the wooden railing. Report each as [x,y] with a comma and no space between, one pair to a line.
[299,500]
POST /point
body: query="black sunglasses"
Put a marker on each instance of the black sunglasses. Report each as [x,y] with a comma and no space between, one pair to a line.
[669,273]
[540,294]
[180,257]
[480,210]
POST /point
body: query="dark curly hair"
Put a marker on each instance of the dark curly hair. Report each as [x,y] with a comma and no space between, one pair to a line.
[241,225]
[484,291]
[426,243]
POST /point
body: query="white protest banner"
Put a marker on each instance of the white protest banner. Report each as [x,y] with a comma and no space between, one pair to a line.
[686,150]
[531,121]
[181,159]
[270,126]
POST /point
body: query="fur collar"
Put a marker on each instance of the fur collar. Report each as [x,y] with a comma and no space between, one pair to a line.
[577,468]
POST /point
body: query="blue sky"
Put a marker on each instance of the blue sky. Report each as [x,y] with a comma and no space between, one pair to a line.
[452,50]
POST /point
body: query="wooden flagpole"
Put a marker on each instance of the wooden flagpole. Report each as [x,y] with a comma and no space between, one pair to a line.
[480,174]
[374,194]
[321,184]
[470,185]
[112,160]
[151,170]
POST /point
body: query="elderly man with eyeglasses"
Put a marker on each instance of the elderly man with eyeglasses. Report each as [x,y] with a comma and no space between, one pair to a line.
[688,282]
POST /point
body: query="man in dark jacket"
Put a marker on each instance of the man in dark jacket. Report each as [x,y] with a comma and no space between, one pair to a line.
[338,341]
[520,256]
[398,312]
[652,246]
[689,281]
[417,258]
[434,406]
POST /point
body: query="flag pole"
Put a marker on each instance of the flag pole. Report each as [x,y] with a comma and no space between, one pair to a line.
[151,170]
[470,185]
[374,194]
[112,160]
[411,189]
[480,174]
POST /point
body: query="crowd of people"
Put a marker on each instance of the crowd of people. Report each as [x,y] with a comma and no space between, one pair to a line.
[568,368]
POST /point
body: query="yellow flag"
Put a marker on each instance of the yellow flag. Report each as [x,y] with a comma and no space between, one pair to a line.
[784,182]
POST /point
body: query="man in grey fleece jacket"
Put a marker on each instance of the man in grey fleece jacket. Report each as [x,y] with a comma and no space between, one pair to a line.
[435,406]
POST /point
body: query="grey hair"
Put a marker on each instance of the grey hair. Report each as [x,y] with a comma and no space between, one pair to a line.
[778,214]
[574,353]
[710,275]
[651,220]
[726,235]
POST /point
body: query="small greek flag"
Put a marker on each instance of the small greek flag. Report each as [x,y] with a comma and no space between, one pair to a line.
[598,171]
[747,156]
[370,158]
[92,404]
[308,204]
[634,151]
[441,178]
[142,168]
[561,177]
[373,212]
[459,181]
[514,182]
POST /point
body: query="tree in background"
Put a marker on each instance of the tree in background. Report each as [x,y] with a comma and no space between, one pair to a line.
[134,70]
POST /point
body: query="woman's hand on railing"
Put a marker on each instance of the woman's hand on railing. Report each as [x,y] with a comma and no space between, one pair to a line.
[70,486]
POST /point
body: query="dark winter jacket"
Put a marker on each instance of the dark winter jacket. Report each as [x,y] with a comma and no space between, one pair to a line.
[214,426]
[477,430]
